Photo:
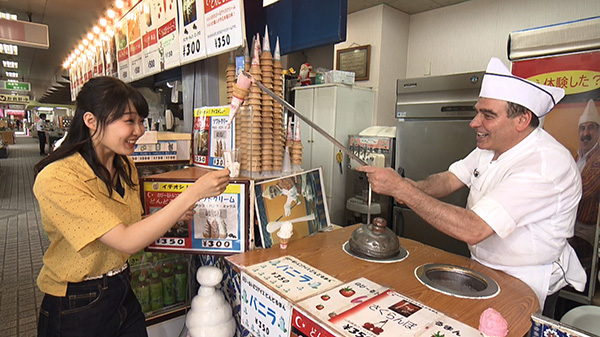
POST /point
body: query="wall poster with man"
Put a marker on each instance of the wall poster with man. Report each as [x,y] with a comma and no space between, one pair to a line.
[575,122]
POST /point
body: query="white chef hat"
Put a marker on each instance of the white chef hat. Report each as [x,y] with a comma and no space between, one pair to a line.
[499,83]
[590,114]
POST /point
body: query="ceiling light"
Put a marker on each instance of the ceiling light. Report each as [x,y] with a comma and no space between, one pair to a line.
[80,47]
[12,74]
[77,52]
[10,64]
[119,4]
[111,14]
[103,22]
[96,30]
[12,80]
[85,42]
[66,64]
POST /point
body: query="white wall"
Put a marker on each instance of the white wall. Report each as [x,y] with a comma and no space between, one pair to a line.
[463,37]
[386,30]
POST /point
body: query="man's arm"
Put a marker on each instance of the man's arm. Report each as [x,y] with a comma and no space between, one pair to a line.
[457,222]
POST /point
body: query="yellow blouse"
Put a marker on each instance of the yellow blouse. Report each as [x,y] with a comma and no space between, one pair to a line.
[76,210]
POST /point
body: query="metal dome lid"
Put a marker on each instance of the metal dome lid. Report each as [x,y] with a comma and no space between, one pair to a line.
[375,240]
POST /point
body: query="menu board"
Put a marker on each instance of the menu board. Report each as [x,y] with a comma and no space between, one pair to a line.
[167,32]
[134,36]
[124,72]
[263,312]
[218,226]
[212,135]
[223,26]
[191,34]
[292,277]
[110,56]
[149,26]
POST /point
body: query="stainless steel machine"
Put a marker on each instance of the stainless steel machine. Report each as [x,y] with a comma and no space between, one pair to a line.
[376,146]
[433,132]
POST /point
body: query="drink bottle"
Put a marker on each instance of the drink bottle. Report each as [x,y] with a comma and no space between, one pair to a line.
[143,293]
[180,283]
[156,292]
[168,283]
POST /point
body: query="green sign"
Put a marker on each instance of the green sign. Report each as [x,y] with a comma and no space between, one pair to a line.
[24,86]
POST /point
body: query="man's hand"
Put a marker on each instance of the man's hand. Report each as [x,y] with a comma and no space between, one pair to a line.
[384,181]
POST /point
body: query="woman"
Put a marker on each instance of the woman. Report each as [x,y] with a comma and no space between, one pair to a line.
[89,201]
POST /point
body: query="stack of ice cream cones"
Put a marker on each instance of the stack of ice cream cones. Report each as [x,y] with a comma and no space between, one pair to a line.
[230,76]
[255,105]
[278,122]
[266,68]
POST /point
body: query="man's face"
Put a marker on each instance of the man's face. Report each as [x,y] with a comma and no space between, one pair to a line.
[588,135]
[495,131]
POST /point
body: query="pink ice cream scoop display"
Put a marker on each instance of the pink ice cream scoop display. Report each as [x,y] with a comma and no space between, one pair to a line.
[240,92]
[491,323]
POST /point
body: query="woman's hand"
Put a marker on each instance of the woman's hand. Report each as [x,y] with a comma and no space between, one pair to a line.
[212,184]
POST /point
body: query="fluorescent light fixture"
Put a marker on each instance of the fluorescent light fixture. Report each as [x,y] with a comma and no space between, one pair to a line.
[45,108]
[10,64]
[12,74]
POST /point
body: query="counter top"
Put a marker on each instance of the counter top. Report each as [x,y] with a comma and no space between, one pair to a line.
[516,301]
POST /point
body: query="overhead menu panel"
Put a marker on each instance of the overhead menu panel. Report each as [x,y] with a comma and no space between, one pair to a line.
[23,33]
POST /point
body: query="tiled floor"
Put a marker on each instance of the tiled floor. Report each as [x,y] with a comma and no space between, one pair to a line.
[22,240]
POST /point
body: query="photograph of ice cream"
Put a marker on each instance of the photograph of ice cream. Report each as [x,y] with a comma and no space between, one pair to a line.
[299,199]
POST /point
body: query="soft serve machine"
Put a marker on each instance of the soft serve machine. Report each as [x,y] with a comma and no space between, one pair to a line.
[376,146]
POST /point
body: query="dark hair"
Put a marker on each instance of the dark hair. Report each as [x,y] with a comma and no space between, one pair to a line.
[42,116]
[107,98]
[514,110]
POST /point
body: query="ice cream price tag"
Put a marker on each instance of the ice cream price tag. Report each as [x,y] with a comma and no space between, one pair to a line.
[307,326]
[292,277]
[191,33]
[341,298]
[223,26]
[264,312]
[387,314]
[212,136]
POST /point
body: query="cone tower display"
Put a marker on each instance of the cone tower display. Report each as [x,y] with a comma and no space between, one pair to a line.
[266,68]
[278,115]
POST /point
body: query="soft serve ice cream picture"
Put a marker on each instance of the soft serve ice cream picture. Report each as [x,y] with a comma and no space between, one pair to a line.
[285,233]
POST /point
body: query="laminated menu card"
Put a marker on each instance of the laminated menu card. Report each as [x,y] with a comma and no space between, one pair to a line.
[341,298]
[387,314]
[292,277]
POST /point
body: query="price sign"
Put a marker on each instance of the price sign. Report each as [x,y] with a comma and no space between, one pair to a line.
[212,136]
[218,225]
[122,50]
[264,312]
[223,25]
[149,25]
[191,35]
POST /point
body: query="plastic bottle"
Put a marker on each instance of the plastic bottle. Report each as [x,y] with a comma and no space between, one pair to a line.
[180,283]
[156,292]
[143,293]
[168,283]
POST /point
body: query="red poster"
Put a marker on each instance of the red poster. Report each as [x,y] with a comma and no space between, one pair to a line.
[579,75]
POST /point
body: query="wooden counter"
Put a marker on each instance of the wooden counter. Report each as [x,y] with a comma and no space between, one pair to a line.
[516,301]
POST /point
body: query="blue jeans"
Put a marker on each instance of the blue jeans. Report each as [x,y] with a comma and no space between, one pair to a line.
[101,307]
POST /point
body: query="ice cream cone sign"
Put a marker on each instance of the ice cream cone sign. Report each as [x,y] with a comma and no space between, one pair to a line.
[273,226]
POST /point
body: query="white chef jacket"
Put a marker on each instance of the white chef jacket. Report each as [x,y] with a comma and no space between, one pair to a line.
[529,197]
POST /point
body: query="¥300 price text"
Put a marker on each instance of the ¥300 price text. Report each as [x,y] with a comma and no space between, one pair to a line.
[191,48]
[216,244]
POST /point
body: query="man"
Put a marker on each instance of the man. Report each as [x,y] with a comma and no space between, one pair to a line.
[41,131]
[524,189]
[588,164]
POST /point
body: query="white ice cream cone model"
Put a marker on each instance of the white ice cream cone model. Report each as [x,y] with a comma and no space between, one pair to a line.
[210,314]
[285,233]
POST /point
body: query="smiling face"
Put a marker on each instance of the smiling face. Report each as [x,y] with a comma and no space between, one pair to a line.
[120,135]
[495,130]
[588,135]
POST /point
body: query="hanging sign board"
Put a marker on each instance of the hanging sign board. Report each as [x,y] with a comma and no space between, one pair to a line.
[149,24]
[168,38]
[13,99]
[123,66]
[191,33]
[19,86]
[134,36]
[223,26]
